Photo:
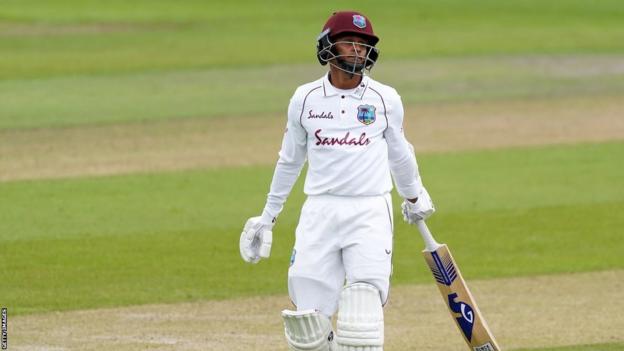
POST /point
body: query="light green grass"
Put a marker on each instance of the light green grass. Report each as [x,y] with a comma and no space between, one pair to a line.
[42,38]
[110,241]
[596,347]
[74,62]
[83,100]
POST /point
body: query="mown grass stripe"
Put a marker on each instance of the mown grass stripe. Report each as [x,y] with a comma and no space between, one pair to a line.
[210,93]
[82,243]
[162,35]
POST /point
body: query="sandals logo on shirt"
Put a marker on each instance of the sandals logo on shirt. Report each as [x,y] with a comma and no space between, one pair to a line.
[366,114]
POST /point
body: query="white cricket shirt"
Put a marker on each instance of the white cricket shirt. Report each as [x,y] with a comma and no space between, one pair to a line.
[353,141]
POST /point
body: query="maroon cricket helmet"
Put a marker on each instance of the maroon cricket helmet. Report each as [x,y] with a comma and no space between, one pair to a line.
[346,23]
[350,22]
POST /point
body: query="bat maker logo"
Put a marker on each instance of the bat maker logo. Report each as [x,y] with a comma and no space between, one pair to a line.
[466,320]
[443,270]
[445,273]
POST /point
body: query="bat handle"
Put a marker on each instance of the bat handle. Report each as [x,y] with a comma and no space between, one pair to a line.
[430,243]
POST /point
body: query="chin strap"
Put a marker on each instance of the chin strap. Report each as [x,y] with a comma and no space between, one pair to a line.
[349,68]
[352,68]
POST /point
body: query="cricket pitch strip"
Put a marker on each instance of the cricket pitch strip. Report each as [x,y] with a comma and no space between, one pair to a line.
[526,312]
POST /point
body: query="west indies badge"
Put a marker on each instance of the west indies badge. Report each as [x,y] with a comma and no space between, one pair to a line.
[359,21]
[366,114]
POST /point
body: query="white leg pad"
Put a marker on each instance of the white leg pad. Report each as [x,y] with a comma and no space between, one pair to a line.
[308,331]
[360,324]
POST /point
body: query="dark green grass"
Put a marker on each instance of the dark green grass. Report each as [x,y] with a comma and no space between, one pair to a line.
[164,35]
[83,243]
[596,347]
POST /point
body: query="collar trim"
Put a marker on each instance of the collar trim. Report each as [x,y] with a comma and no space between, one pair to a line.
[358,92]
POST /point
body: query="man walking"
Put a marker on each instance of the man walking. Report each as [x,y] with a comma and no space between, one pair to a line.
[349,128]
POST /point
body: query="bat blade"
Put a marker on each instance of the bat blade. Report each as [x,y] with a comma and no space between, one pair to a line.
[459,300]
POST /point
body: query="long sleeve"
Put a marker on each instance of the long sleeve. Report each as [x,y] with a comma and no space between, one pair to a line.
[403,165]
[292,157]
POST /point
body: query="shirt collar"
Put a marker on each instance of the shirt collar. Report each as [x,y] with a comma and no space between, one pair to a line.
[358,92]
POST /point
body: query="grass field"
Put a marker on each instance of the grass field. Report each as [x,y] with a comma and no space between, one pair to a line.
[124,185]
[146,35]
[87,233]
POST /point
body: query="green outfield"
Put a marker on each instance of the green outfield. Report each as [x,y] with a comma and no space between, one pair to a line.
[85,243]
[219,92]
[512,210]
[163,35]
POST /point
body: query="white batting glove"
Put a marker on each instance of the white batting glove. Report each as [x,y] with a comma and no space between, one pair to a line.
[256,240]
[419,210]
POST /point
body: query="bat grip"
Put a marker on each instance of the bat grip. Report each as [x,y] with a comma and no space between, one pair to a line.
[430,243]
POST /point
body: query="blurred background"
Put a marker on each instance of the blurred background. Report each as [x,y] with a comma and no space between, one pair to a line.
[136,137]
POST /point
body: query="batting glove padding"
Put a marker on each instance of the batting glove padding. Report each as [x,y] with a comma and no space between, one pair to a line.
[419,210]
[255,240]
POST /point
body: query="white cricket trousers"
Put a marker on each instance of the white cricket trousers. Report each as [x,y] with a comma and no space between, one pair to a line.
[338,239]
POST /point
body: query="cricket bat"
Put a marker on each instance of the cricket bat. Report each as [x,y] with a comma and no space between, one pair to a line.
[461,304]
